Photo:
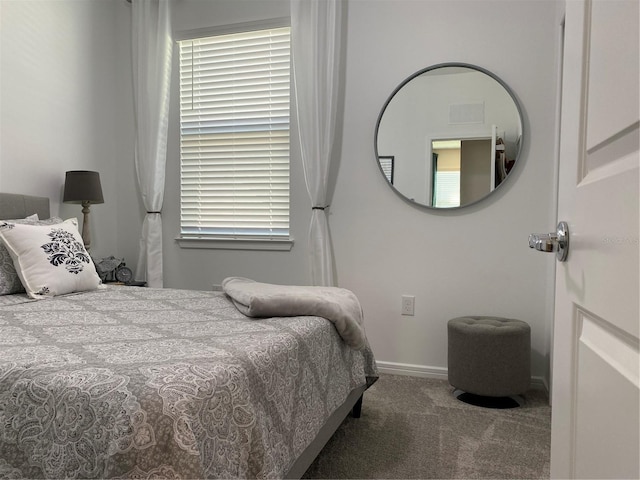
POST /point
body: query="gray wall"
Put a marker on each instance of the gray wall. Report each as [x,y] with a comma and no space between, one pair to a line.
[474,261]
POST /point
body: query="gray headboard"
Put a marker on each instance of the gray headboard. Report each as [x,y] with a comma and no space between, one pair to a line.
[13,205]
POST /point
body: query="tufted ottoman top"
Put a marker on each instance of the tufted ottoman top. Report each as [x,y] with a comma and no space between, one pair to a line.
[484,325]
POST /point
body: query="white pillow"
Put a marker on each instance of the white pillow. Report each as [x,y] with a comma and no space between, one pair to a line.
[9,281]
[50,259]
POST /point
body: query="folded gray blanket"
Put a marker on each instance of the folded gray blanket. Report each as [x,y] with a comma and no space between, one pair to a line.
[338,305]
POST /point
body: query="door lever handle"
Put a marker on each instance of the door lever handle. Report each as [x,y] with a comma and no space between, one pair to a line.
[544,242]
[557,242]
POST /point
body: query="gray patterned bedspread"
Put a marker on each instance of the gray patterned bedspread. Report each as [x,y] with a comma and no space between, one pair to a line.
[132,382]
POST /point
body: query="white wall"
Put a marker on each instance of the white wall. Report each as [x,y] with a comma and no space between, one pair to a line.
[76,112]
[57,111]
[473,261]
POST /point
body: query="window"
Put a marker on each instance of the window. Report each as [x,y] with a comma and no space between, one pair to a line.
[234,135]
[446,189]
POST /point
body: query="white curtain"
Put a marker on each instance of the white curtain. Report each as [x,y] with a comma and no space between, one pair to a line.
[152,47]
[316,28]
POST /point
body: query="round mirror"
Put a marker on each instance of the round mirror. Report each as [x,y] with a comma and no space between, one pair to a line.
[448,136]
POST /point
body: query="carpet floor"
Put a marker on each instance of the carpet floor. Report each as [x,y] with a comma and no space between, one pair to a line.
[415,428]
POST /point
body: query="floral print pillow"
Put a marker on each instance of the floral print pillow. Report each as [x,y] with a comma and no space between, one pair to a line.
[49,259]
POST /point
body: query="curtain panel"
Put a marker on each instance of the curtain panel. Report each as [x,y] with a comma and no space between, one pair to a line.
[151,53]
[316,29]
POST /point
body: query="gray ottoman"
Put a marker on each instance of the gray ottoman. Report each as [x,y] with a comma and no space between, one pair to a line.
[489,356]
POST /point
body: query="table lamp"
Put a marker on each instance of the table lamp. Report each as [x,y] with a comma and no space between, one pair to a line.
[82,186]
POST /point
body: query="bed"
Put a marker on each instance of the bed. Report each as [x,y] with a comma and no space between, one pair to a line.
[131,382]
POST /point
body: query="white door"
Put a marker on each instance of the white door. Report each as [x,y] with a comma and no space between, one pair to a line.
[595,386]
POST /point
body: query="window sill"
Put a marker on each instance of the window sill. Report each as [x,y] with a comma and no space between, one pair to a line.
[219,243]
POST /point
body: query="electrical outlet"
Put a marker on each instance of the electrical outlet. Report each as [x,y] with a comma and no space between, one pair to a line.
[408,304]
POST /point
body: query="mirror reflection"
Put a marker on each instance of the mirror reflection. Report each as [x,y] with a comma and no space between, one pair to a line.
[448,136]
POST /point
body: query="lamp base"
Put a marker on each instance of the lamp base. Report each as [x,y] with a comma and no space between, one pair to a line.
[86,233]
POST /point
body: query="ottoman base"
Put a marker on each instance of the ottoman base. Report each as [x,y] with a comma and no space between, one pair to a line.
[511,401]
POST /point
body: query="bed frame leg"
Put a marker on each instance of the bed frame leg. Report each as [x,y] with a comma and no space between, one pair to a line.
[357,408]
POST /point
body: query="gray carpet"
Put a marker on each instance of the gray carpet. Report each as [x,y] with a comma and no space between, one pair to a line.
[414,428]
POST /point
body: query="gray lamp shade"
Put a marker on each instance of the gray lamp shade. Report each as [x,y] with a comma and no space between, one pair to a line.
[82,186]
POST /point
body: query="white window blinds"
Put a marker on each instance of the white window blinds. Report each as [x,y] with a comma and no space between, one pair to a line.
[447,189]
[234,134]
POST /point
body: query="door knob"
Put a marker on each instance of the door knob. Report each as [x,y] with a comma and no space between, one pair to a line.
[552,242]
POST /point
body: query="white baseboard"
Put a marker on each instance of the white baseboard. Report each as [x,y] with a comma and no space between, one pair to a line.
[440,373]
[412,370]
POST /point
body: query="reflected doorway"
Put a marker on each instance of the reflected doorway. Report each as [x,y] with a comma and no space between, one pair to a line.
[462,171]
